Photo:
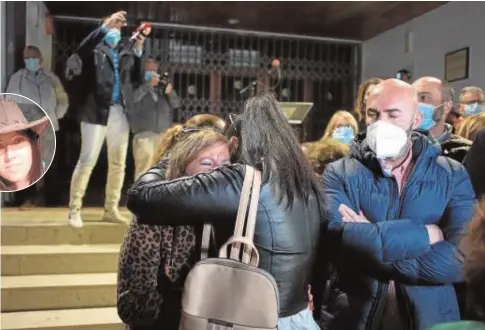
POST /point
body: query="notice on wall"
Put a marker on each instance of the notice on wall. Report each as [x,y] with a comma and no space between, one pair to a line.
[457,64]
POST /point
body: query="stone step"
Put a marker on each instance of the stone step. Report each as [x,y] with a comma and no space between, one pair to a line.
[48,226]
[70,319]
[48,292]
[59,259]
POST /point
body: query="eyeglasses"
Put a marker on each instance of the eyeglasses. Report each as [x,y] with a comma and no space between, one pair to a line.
[186,131]
[233,118]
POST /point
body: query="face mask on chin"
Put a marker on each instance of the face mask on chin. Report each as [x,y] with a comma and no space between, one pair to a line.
[388,141]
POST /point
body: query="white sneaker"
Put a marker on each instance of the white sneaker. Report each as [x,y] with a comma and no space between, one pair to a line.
[75,219]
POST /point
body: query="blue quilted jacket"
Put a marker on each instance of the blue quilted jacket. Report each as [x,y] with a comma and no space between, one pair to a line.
[395,245]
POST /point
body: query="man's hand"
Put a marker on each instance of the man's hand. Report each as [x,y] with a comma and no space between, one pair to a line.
[435,234]
[117,20]
[142,36]
[348,215]
[155,80]
[168,89]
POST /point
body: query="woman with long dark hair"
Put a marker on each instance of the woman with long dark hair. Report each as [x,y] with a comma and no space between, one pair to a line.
[289,213]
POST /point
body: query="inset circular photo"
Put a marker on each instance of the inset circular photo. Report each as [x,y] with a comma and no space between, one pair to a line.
[27,142]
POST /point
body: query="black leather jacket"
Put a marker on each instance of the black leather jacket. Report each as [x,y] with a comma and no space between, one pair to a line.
[287,239]
[456,147]
[92,90]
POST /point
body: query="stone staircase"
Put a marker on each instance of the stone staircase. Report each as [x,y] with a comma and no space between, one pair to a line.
[54,277]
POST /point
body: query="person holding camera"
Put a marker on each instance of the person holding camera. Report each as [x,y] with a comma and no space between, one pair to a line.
[105,88]
[152,113]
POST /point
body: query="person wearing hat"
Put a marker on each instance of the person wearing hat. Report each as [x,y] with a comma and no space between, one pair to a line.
[20,149]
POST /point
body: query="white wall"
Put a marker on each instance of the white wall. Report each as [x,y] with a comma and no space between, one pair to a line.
[35,30]
[3,47]
[455,25]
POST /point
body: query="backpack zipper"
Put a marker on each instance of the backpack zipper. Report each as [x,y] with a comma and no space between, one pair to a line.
[239,265]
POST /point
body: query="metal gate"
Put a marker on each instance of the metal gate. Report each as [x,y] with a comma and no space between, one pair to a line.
[209,66]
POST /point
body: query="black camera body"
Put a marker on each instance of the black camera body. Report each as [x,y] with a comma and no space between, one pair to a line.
[164,81]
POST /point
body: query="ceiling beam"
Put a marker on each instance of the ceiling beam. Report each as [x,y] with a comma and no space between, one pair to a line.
[341,11]
[401,14]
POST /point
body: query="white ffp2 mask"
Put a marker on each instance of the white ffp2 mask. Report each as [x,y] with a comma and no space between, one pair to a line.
[386,140]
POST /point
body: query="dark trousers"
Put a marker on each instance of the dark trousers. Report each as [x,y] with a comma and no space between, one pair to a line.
[52,183]
[29,194]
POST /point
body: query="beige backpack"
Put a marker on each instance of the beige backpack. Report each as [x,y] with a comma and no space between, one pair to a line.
[232,293]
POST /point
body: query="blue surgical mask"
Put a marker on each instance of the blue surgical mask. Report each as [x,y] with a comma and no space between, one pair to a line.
[473,109]
[113,37]
[344,134]
[32,64]
[427,110]
[149,75]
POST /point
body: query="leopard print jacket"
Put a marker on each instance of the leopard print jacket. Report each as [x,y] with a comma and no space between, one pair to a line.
[152,257]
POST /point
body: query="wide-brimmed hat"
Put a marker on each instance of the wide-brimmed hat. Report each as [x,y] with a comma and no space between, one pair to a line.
[12,119]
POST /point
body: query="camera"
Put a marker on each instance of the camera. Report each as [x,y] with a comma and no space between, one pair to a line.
[164,81]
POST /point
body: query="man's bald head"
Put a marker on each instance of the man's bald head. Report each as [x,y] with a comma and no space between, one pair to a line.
[437,93]
[393,101]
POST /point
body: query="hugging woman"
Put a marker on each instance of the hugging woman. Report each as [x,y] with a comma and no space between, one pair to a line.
[288,220]
[155,260]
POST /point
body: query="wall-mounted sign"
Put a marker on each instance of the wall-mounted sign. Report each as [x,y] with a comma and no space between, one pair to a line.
[457,64]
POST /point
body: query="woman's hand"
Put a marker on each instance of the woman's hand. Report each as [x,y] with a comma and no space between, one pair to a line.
[310,299]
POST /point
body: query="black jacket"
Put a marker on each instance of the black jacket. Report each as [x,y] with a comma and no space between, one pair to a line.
[475,162]
[152,109]
[94,87]
[452,145]
[456,148]
[287,239]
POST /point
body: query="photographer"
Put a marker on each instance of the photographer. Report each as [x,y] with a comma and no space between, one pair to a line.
[151,114]
[105,92]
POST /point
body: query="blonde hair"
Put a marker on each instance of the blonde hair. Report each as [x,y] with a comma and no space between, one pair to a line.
[341,114]
[166,142]
[470,126]
[169,137]
[472,246]
[325,152]
[206,119]
[359,106]
[189,147]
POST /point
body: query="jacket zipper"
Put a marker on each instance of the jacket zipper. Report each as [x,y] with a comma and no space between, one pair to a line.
[377,308]
[400,286]
[40,95]
[376,313]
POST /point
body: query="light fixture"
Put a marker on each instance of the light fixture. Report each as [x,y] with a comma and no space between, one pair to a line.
[233,21]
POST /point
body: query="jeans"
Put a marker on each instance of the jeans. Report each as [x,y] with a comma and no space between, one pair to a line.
[144,148]
[301,321]
[116,133]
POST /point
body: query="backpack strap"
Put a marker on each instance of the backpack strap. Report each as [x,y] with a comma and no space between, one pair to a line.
[250,191]
[251,219]
[208,232]
[242,210]
[207,235]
